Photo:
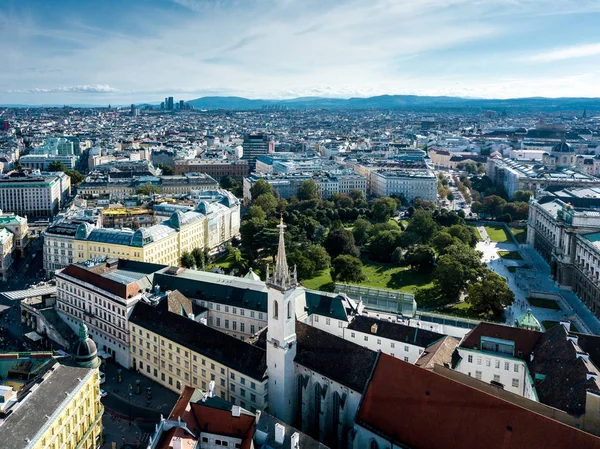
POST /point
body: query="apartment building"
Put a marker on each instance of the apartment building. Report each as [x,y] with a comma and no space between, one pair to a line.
[59,239]
[6,252]
[174,350]
[412,184]
[18,226]
[102,295]
[216,168]
[60,408]
[34,194]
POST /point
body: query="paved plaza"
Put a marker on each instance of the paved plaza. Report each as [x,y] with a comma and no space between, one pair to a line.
[526,282]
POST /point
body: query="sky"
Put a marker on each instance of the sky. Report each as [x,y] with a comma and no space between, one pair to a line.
[124,51]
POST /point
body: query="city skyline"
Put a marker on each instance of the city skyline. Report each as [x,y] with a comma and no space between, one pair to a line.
[141,51]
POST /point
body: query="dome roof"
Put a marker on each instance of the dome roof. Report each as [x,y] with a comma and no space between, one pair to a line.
[84,352]
[563,147]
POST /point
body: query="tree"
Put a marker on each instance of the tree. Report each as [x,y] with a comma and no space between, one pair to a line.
[383,244]
[450,196]
[198,255]
[75,176]
[518,210]
[187,260]
[249,229]
[267,202]
[423,225]
[442,241]
[304,266]
[408,239]
[361,231]
[57,166]
[494,205]
[318,255]
[466,234]
[421,258]
[229,183]
[346,269]
[358,198]
[261,187]
[308,190]
[522,195]
[383,209]
[398,256]
[456,269]
[257,212]
[340,241]
[147,189]
[167,170]
[490,295]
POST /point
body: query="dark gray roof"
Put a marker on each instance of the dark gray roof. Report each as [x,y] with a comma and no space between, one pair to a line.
[225,349]
[394,331]
[265,424]
[338,359]
[30,417]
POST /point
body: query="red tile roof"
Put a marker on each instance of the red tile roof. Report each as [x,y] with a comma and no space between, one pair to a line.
[525,340]
[94,277]
[424,410]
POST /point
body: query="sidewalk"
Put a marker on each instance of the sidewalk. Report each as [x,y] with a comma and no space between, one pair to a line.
[162,400]
[119,431]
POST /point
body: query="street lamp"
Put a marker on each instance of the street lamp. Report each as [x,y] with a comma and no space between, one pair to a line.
[130,397]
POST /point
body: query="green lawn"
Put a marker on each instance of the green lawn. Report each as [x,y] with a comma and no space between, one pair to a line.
[550,324]
[544,303]
[498,234]
[378,275]
[520,234]
[510,255]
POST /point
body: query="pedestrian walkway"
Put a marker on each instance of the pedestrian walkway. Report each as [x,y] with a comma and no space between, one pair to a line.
[162,399]
[535,278]
[119,431]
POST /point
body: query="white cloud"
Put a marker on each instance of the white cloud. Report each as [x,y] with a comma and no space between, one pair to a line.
[560,54]
[97,89]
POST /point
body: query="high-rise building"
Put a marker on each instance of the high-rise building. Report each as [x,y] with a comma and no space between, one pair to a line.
[162,105]
[181,105]
[170,103]
[255,145]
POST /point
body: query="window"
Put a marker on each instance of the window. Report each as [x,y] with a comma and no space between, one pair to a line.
[253,385]
[222,382]
[478,375]
[487,362]
[226,324]
[316,318]
[218,322]
[232,388]
[327,321]
[496,377]
[405,348]
[352,335]
[366,338]
[515,382]
[252,397]
[243,392]
[393,345]
[470,359]
[516,368]
[275,310]
[506,366]
[497,364]
[479,360]
[242,327]
[379,341]
[242,381]
[232,375]
[289,311]
[406,359]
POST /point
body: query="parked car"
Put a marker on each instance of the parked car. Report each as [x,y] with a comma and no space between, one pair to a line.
[102,378]
[103,393]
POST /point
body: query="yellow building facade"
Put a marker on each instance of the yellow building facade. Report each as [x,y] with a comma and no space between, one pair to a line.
[162,244]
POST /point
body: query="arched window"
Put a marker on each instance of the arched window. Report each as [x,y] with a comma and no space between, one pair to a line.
[373,445]
[275,309]
[289,311]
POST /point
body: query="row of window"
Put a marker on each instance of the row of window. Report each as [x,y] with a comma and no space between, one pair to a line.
[515,381]
[497,363]
[232,310]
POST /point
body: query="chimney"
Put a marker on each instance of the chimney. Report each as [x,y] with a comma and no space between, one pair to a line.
[295,441]
[211,389]
[566,324]
[374,328]
[279,433]
[235,411]
[177,443]
[584,356]
[573,339]
[531,357]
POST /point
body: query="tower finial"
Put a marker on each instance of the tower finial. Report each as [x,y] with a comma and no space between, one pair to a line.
[281,274]
[83,332]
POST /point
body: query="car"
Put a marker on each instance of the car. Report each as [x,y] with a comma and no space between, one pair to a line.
[103,393]
[102,378]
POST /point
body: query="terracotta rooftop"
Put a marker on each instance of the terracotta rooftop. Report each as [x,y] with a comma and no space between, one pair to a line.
[420,409]
[525,340]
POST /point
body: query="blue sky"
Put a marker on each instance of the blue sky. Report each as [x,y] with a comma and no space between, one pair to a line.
[120,51]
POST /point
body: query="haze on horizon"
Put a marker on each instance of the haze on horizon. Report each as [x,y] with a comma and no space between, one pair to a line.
[92,52]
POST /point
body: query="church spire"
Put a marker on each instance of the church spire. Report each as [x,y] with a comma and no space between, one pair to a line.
[281,278]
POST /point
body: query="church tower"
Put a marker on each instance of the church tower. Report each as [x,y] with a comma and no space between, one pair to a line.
[281,335]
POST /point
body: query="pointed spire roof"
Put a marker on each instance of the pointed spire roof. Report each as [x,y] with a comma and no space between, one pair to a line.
[281,278]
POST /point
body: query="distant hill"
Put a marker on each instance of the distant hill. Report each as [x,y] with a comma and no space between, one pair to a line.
[408,102]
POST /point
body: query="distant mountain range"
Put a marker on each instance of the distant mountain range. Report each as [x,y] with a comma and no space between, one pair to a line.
[408,102]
